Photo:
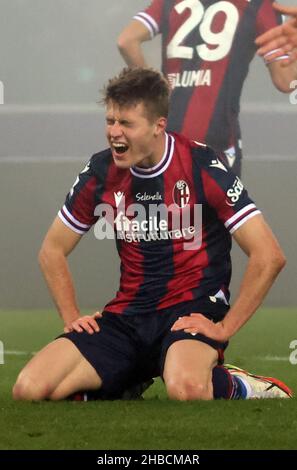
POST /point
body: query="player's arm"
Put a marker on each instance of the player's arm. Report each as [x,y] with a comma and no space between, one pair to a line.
[266,260]
[283,77]
[130,41]
[57,245]
[278,48]
[281,39]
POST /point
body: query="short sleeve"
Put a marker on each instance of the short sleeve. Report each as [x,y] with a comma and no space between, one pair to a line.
[226,194]
[78,210]
[151,17]
[267,17]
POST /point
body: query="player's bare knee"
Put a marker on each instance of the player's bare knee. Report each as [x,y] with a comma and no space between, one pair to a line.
[188,388]
[27,388]
[198,391]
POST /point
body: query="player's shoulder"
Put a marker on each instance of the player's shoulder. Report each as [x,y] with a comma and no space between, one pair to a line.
[203,156]
[100,161]
[211,164]
[202,153]
[206,157]
[104,156]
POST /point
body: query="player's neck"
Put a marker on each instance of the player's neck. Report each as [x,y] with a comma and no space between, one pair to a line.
[157,154]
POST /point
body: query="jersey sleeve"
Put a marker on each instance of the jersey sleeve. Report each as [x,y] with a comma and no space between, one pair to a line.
[225,193]
[151,17]
[268,18]
[78,210]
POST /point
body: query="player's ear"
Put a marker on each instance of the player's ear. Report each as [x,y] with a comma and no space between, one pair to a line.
[160,125]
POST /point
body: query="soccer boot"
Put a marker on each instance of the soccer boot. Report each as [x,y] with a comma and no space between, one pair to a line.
[260,386]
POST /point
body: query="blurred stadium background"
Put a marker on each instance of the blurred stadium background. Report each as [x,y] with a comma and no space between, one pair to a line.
[55,56]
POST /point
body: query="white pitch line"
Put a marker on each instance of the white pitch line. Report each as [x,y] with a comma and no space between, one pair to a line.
[274,358]
[260,358]
[18,353]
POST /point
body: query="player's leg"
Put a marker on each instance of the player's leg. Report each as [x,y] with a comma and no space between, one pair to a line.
[230,382]
[57,371]
[257,386]
[187,363]
[113,353]
[188,370]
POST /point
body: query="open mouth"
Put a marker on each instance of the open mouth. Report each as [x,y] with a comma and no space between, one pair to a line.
[119,148]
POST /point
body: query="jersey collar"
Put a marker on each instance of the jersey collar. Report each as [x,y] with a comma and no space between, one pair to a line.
[161,166]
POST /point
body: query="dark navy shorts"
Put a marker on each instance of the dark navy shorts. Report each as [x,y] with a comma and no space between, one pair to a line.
[132,349]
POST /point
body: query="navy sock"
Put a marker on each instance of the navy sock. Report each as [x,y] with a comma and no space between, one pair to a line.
[226,385]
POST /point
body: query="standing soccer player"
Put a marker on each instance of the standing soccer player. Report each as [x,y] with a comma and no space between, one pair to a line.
[207,47]
[173,207]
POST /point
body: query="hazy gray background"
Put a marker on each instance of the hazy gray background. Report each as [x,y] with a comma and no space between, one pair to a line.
[54,57]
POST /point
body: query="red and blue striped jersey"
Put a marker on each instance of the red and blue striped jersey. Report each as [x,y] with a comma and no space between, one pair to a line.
[172,223]
[207,47]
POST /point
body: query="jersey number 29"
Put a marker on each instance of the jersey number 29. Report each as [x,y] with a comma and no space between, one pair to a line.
[203,18]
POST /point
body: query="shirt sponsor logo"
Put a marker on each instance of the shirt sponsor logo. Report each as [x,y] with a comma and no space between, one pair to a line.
[235,192]
[149,230]
[118,197]
[190,78]
[149,197]
[152,222]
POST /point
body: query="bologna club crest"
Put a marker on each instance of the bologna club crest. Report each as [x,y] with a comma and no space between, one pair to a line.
[181,194]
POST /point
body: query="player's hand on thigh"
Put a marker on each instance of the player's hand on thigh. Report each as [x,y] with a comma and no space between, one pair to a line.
[198,323]
[86,323]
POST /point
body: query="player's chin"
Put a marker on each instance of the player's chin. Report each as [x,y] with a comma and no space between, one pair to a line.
[123,165]
[121,162]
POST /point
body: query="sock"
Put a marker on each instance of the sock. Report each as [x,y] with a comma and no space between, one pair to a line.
[244,386]
[240,389]
[228,386]
[222,383]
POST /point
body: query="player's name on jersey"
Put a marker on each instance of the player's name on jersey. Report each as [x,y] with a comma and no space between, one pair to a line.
[190,78]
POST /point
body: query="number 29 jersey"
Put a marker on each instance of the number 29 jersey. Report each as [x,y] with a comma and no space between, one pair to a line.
[207,47]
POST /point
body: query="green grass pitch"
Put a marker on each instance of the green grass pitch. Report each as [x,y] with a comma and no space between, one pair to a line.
[263,347]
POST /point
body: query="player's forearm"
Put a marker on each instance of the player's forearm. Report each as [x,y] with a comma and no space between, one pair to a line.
[132,54]
[55,269]
[258,279]
[130,43]
[283,77]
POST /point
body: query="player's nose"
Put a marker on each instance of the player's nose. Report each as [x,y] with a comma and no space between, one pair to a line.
[115,130]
